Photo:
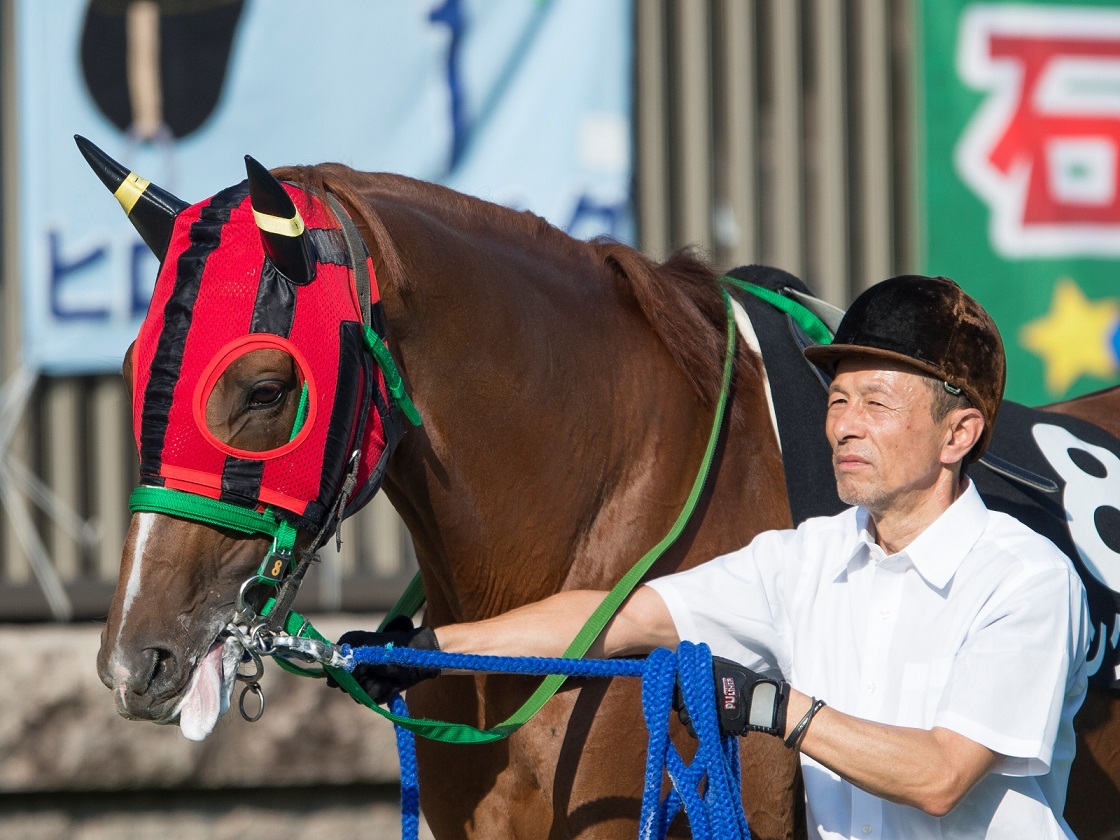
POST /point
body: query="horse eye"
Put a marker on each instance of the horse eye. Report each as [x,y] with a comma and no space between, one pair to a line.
[266,394]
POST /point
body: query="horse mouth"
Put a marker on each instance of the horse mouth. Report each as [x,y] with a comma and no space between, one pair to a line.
[210,690]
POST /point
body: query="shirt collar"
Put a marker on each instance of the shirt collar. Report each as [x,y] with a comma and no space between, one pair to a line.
[939,550]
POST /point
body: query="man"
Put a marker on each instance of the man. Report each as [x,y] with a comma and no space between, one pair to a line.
[948,641]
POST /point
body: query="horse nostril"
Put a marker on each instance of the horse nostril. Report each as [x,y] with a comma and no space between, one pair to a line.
[151,665]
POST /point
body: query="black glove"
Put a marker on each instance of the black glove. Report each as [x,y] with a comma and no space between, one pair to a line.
[380,681]
[745,701]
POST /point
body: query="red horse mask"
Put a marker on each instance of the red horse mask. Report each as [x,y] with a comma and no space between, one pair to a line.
[260,266]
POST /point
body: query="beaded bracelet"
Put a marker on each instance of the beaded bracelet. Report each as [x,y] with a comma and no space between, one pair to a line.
[798,733]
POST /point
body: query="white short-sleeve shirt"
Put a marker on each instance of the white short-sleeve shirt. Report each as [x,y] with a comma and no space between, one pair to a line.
[979,626]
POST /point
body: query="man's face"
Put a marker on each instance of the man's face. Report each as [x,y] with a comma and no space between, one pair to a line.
[886,445]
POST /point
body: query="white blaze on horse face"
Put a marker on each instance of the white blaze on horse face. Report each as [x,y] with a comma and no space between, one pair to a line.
[145,522]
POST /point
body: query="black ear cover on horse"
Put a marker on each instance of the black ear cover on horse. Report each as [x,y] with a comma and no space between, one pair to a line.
[286,240]
[380,682]
[151,210]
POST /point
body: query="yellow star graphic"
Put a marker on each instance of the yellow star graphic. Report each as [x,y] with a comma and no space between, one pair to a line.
[1074,337]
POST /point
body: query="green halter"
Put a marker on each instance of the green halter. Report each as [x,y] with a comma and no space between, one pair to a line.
[280,558]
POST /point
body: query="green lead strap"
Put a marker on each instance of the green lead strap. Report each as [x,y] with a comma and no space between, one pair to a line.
[621,590]
[411,600]
[460,733]
[435,730]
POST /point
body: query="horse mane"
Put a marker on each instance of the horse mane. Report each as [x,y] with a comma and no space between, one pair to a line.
[680,297]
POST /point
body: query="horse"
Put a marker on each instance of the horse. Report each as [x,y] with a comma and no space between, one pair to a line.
[566,390]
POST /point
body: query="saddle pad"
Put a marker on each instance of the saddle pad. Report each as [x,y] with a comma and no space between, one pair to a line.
[1081,516]
[799,396]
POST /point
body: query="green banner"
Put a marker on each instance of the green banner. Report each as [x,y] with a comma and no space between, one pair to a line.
[1019,172]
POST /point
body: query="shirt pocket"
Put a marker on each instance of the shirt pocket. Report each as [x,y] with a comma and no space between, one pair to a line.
[920,691]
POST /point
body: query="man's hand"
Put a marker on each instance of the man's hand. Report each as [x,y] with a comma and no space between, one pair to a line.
[745,701]
[381,681]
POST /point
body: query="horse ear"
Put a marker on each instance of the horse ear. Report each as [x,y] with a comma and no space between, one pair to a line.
[151,209]
[286,241]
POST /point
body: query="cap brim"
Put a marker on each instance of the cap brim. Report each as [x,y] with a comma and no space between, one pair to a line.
[825,357]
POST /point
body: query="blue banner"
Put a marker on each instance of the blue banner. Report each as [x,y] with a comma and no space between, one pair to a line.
[522,102]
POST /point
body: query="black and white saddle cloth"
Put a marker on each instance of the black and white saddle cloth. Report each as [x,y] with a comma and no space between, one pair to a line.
[1056,474]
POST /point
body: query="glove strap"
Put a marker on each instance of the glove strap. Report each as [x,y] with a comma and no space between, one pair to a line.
[749,702]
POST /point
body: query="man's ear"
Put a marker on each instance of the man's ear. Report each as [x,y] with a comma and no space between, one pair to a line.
[965,425]
[126,371]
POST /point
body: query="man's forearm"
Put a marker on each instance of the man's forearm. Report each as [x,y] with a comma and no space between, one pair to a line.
[547,627]
[544,628]
[927,769]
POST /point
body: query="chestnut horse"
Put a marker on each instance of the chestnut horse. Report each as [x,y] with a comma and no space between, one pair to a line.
[567,390]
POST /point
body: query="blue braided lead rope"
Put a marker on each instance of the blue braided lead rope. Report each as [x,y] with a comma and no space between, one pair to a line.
[707,788]
[410,784]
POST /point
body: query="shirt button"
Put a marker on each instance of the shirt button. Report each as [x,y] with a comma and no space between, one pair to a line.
[884,614]
[867,829]
[871,688]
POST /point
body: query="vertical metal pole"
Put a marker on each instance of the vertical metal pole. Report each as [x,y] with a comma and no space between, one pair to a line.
[736,181]
[784,199]
[827,241]
[109,460]
[651,126]
[907,236]
[389,538]
[874,148]
[62,429]
[692,125]
[13,559]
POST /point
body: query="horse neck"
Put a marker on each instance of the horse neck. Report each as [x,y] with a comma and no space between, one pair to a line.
[559,437]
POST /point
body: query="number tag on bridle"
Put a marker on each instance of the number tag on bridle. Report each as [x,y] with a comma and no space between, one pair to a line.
[280,559]
[274,566]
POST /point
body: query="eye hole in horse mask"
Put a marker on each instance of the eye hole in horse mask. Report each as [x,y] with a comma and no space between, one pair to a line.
[256,398]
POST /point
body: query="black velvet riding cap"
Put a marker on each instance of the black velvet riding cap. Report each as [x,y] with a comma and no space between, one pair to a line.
[930,323]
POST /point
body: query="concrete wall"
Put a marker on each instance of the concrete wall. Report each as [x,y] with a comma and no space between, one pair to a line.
[315,765]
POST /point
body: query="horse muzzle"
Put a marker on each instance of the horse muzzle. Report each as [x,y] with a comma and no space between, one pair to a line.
[152,685]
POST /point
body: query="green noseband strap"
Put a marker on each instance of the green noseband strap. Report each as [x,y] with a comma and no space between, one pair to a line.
[221,514]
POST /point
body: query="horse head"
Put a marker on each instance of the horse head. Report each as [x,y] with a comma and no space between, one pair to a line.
[251,382]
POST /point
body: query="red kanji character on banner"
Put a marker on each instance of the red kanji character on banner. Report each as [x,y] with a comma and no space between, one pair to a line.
[1043,150]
